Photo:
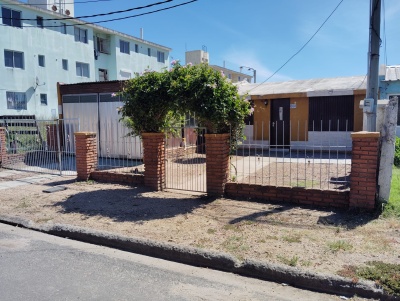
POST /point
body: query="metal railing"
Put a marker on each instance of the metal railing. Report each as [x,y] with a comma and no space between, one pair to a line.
[295,156]
[185,157]
[40,146]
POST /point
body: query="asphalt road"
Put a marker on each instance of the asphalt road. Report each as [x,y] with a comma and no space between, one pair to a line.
[37,266]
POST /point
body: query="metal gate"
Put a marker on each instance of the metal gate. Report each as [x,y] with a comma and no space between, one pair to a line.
[45,146]
[185,157]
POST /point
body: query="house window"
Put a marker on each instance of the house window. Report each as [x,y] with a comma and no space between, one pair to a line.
[14,59]
[80,35]
[65,64]
[63,28]
[82,69]
[124,46]
[160,57]
[43,99]
[11,17]
[331,113]
[103,45]
[103,75]
[148,51]
[398,109]
[136,48]
[39,22]
[41,60]
[125,74]
[16,100]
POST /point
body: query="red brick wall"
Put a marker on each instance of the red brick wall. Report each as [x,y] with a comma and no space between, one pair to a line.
[154,160]
[217,160]
[316,197]
[364,169]
[110,177]
[86,154]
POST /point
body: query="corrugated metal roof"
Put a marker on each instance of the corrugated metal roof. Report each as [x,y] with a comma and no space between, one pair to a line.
[337,85]
[392,73]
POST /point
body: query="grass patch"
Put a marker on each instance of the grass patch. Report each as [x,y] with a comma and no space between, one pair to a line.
[235,244]
[292,238]
[392,209]
[22,205]
[289,261]
[211,231]
[231,227]
[386,275]
[339,245]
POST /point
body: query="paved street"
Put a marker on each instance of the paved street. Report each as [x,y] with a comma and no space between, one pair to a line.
[37,266]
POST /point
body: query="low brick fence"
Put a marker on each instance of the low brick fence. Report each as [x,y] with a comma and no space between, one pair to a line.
[363,180]
[113,177]
[297,195]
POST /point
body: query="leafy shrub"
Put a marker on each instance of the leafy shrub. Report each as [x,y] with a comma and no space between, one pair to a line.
[155,101]
[397,152]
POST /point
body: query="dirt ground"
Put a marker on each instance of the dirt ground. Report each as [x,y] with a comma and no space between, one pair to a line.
[312,239]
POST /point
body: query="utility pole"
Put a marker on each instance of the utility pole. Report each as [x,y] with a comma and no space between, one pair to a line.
[371,100]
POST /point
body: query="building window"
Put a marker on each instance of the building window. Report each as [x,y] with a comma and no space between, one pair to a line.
[43,99]
[103,75]
[63,28]
[124,46]
[331,113]
[11,17]
[16,100]
[65,64]
[39,22]
[149,51]
[125,74]
[14,59]
[160,57]
[103,45]
[136,48]
[82,69]
[80,35]
[41,60]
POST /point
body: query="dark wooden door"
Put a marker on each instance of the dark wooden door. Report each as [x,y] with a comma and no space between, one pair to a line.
[280,123]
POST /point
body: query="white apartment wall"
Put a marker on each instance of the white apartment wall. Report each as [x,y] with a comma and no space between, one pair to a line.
[56,46]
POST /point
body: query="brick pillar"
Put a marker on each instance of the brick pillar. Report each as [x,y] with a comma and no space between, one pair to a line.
[217,162]
[364,169]
[86,154]
[154,160]
[3,146]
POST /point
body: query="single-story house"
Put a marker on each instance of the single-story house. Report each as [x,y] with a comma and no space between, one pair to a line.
[305,113]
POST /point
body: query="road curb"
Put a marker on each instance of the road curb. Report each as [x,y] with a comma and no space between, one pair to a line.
[209,259]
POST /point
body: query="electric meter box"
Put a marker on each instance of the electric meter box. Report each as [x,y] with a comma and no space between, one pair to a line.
[368,105]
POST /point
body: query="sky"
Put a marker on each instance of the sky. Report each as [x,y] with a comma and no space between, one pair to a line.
[263,34]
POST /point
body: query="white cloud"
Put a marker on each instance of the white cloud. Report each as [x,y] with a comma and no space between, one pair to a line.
[250,59]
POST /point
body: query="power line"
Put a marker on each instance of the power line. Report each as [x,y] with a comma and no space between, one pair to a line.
[110,20]
[302,47]
[97,15]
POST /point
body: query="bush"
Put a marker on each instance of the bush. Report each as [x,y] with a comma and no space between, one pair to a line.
[155,101]
[397,152]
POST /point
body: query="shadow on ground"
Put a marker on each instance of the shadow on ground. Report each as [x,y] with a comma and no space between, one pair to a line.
[348,219]
[130,205]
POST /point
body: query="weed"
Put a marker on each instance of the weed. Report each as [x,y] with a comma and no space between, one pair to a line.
[211,231]
[247,223]
[235,244]
[231,227]
[22,205]
[289,261]
[305,263]
[338,245]
[44,220]
[386,275]
[292,238]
